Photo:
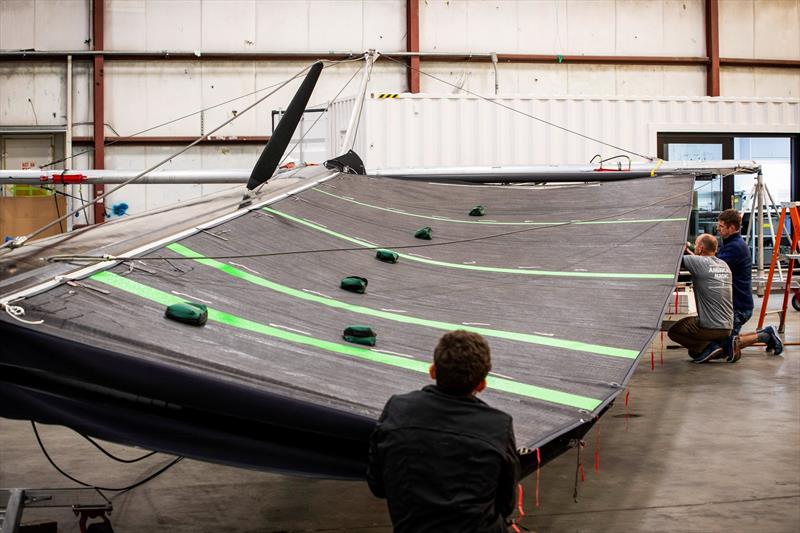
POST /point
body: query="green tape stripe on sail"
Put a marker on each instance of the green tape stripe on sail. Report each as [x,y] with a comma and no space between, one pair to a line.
[330,302]
[519,271]
[492,222]
[500,384]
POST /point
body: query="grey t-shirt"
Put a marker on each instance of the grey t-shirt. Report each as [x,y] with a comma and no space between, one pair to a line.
[712,290]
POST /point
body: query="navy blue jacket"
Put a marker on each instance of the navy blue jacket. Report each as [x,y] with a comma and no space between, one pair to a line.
[735,252]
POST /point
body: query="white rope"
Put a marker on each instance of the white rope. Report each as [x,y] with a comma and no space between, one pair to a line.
[15,312]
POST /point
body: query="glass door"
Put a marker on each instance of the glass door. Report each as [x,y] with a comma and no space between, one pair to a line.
[711,196]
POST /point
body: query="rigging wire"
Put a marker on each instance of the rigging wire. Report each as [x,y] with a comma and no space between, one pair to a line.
[96,487]
[167,123]
[16,243]
[329,63]
[515,110]
[84,204]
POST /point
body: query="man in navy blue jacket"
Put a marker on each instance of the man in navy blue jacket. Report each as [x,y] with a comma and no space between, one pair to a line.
[736,254]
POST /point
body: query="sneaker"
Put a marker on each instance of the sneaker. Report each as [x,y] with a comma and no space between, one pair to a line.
[712,351]
[774,343]
[733,352]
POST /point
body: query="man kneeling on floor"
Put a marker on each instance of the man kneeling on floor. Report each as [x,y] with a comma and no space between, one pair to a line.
[444,460]
[736,254]
[704,334]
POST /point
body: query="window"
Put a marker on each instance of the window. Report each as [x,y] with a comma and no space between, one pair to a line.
[777,154]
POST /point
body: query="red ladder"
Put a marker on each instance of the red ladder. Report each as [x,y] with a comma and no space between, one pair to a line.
[793,210]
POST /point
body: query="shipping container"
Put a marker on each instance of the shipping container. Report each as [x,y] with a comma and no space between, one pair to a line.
[426,130]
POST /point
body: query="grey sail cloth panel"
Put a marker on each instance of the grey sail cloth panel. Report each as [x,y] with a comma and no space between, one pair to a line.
[619,313]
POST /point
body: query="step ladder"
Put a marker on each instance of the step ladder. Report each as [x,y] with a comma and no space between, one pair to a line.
[792,210]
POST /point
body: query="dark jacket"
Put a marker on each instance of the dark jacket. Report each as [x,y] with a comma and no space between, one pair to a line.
[736,254]
[444,463]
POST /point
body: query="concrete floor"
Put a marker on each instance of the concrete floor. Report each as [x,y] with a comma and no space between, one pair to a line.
[712,447]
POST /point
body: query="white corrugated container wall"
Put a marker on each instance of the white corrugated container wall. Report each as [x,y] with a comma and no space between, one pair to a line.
[426,130]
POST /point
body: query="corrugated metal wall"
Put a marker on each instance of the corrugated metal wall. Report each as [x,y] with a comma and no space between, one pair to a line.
[433,130]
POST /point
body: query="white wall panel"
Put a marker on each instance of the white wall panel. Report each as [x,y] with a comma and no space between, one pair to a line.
[475,77]
[277,28]
[125,21]
[222,82]
[384,25]
[509,78]
[492,26]
[763,29]
[336,25]
[17,23]
[736,27]
[443,27]
[591,79]
[591,27]
[684,81]
[777,29]
[684,28]
[784,83]
[229,157]
[17,84]
[538,79]
[44,24]
[762,82]
[49,95]
[127,97]
[62,25]
[32,95]
[431,130]
[639,28]
[542,27]
[173,90]
[174,24]
[325,25]
[639,80]
[229,25]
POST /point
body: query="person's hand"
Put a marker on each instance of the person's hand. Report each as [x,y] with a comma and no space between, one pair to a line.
[688,248]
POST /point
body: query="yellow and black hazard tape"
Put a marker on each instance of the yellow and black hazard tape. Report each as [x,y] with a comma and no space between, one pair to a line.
[384,96]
